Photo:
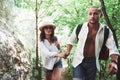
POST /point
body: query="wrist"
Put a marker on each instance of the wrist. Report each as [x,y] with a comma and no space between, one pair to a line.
[67,53]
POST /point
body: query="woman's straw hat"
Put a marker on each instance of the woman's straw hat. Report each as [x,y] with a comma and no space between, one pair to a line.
[46,23]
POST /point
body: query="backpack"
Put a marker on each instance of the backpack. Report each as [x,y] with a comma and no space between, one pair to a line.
[104,52]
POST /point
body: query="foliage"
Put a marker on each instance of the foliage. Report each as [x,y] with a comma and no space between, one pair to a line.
[104,74]
[30,4]
[113,11]
[36,71]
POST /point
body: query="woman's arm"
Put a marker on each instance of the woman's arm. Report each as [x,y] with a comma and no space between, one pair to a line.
[45,51]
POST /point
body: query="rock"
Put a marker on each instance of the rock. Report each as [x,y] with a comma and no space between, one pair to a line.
[14,60]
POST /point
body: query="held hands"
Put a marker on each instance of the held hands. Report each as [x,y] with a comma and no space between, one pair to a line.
[62,55]
[112,68]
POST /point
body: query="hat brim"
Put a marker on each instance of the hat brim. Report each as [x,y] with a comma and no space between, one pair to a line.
[49,25]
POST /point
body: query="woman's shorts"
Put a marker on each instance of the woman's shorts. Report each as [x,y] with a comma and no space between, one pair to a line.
[57,65]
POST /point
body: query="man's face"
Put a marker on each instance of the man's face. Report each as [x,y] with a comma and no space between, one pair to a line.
[94,15]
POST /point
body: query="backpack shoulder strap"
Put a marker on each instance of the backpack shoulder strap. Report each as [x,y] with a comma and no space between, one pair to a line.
[103,52]
[78,30]
[106,33]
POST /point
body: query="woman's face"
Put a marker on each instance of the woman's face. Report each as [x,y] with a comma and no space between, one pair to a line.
[48,30]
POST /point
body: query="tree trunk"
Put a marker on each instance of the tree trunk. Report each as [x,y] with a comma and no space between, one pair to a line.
[38,68]
[36,35]
[114,35]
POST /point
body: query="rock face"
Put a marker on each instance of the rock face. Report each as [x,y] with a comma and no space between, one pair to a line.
[14,60]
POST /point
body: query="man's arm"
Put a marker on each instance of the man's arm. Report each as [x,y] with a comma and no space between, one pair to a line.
[114,58]
[65,54]
[69,47]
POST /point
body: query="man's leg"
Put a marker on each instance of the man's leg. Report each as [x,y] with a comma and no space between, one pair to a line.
[91,72]
[78,73]
[90,67]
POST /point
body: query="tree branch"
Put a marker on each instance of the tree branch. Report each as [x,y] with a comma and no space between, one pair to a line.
[114,35]
[108,21]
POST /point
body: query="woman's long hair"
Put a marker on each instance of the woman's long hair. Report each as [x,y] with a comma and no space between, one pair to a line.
[52,37]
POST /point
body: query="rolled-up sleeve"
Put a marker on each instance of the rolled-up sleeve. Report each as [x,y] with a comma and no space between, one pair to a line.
[111,44]
[72,37]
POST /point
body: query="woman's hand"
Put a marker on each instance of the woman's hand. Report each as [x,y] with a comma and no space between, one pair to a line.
[61,55]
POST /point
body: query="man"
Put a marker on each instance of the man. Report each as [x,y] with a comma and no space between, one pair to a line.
[85,60]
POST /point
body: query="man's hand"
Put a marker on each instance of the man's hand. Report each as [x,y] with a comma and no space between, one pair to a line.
[112,68]
[61,55]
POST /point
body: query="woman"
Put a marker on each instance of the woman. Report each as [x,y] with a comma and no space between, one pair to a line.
[50,50]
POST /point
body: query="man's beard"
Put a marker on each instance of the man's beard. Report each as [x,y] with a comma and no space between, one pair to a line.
[93,22]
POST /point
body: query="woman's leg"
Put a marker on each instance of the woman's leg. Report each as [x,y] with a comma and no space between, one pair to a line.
[57,71]
[48,75]
[56,74]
